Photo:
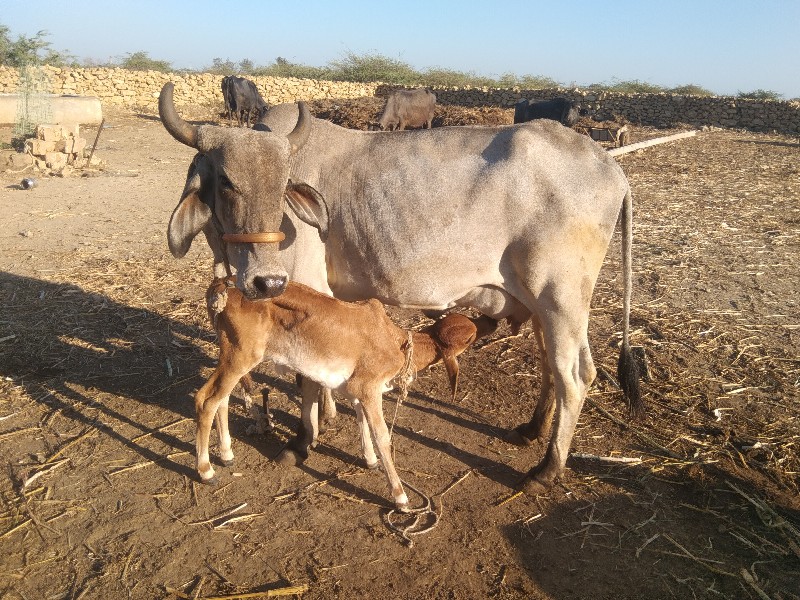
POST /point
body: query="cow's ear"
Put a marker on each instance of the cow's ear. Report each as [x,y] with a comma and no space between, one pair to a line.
[188,219]
[309,206]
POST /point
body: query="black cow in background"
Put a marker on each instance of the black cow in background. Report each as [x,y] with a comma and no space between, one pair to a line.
[242,99]
[557,109]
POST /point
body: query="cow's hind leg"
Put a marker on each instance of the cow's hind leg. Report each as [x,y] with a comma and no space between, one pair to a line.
[538,428]
[565,337]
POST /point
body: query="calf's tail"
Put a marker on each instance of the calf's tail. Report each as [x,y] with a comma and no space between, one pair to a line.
[628,367]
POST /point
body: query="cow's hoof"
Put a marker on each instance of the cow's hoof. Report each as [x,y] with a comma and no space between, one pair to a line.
[212,481]
[516,437]
[290,458]
[226,462]
[373,466]
[532,484]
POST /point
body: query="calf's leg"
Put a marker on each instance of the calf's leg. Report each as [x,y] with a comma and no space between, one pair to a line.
[366,438]
[209,400]
[373,411]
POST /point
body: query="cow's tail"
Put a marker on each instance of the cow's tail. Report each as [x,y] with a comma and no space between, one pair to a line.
[628,367]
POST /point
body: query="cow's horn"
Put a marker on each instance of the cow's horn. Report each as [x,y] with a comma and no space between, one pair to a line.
[301,131]
[181,130]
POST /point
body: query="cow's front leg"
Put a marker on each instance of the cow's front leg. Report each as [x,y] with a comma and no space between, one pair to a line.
[327,410]
[296,451]
[327,407]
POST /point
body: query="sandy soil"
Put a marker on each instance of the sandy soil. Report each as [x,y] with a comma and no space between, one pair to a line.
[104,339]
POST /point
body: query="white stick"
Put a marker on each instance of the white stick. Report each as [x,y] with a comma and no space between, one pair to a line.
[611,459]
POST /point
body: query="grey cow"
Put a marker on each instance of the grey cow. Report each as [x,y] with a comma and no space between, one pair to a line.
[513,221]
[408,108]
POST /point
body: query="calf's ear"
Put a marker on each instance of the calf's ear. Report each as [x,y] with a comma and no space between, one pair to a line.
[309,206]
[451,366]
[188,219]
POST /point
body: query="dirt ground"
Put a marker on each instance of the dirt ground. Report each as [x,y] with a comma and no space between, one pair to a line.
[104,339]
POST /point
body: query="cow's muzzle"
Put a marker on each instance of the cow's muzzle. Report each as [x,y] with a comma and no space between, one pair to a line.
[269,286]
[252,279]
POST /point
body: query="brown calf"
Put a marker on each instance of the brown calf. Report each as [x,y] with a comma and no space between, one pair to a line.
[351,347]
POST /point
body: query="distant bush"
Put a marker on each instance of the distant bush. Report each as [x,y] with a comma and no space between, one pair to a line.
[760,95]
[372,67]
[283,68]
[450,78]
[691,90]
[141,61]
[633,86]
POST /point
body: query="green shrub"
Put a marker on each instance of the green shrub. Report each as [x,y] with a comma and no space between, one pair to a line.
[141,61]
[760,95]
[691,89]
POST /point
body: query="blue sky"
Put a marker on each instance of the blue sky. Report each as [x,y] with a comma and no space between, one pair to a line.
[724,46]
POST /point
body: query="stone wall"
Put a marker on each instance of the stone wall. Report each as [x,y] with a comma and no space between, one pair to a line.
[140,89]
[658,110]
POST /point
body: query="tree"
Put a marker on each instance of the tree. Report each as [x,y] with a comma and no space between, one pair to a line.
[29,50]
[223,67]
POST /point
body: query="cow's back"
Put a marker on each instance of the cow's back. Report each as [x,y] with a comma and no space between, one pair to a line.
[425,203]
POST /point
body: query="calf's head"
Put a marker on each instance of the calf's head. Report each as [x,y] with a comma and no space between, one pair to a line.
[235,186]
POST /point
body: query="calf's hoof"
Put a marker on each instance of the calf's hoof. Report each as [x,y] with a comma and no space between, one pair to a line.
[402,507]
[212,481]
[373,466]
[290,458]
[226,462]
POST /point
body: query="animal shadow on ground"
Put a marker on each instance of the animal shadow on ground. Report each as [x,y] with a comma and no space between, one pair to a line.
[97,361]
[625,532]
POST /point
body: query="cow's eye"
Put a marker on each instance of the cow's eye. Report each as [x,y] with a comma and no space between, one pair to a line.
[224,182]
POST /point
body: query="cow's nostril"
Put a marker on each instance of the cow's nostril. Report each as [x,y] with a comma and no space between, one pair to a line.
[269,287]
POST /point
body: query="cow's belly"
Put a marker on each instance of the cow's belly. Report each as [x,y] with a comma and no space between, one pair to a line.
[425,289]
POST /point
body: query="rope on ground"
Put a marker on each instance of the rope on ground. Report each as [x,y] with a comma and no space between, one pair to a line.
[419,520]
